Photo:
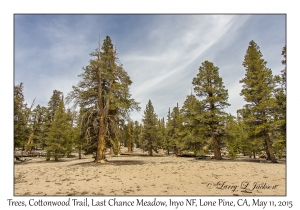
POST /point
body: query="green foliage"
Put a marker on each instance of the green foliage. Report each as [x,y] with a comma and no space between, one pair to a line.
[279,147]
[127,136]
[36,123]
[53,103]
[258,88]
[235,137]
[169,133]
[174,129]
[136,134]
[59,140]
[249,144]
[190,130]
[103,94]
[21,115]
[162,133]
[200,125]
[279,135]
[208,85]
[150,129]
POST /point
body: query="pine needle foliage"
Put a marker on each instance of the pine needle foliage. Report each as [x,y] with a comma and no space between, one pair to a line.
[150,129]
[59,139]
[103,93]
[208,86]
[258,91]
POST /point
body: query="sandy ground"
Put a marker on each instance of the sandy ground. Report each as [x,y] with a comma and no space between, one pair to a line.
[143,175]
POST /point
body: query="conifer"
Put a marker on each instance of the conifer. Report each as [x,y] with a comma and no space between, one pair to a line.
[258,89]
[208,85]
[150,129]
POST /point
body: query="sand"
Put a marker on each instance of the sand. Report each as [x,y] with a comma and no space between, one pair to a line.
[144,175]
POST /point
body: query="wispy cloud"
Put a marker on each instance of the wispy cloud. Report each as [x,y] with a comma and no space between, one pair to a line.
[161,53]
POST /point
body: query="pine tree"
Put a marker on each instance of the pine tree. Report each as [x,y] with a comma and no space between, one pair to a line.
[136,133]
[191,133]
[60,133]
[162,133]
[283,72]
[79,137]
[258,88]
[280,115]
[237,140]
[53,105]
[21,130]
[209,87]
[128,136]
[242,134]
[150,129]
[22,115]
[104,93]
[36,123]
[169,133]
[174,129]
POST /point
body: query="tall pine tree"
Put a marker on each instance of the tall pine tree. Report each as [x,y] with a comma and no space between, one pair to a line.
[104,94]
[60,133]
[280,95]
[208,85]
[258,88]
[21,130]
[150,129]
[175,124]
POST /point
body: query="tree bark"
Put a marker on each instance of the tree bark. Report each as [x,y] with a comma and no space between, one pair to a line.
[101,146]
[129,146]
[217,151]
[269,149]
[79,152]
[150,150]
[30,142]
[128,140]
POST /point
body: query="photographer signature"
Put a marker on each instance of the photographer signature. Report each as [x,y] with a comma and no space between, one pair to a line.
[245,185]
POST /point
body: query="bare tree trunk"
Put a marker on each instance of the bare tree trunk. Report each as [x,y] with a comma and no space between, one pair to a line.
[217,151]
[30,142]
[269,149]
[79,151]
[101,146]
[128,140]
[150,150]
[129,146]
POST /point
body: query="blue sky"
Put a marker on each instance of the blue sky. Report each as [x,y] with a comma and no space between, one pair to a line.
[161,53]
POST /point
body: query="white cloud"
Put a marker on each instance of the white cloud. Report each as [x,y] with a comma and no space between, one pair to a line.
[161,53]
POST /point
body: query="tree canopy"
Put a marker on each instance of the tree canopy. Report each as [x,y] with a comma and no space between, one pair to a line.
[258,88]
[103,105]
[104,94]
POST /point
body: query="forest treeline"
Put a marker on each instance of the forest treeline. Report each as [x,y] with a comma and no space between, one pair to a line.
[100,117]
